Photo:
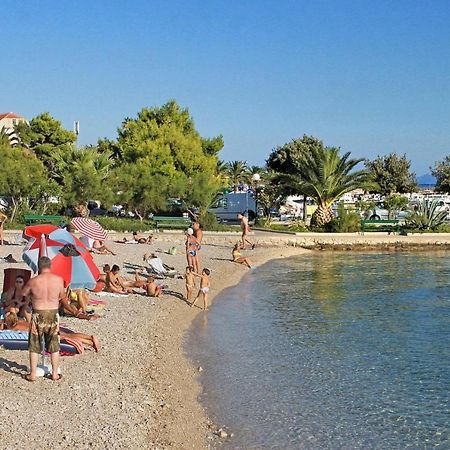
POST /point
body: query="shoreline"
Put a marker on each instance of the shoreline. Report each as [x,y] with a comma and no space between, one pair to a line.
[141,390]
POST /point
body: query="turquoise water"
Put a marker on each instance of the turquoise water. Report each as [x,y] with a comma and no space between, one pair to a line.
[333,350]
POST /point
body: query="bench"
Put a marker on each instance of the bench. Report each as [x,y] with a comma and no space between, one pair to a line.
[391,226]
[32,219]
[171,222]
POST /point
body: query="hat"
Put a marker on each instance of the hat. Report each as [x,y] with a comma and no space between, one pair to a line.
[190,231]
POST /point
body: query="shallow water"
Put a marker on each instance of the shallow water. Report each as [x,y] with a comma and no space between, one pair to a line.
[333,350]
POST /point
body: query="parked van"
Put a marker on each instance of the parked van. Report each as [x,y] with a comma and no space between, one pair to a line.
[227,206]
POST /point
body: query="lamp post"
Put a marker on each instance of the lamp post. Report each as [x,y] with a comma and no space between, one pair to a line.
[255,178]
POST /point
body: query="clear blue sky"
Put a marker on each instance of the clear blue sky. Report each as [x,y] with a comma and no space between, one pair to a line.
[370,77]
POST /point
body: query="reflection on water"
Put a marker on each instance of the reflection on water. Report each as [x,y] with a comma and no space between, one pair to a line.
[333,350]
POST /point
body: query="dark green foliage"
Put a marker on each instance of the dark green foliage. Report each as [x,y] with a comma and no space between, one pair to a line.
[441,172]
[427,216]
[392,174]
[346,222]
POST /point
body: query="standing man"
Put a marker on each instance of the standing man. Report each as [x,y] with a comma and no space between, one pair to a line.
[45,290]
[3,218]
[245,230]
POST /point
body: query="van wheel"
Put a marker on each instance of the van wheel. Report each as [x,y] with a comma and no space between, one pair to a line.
[374,217]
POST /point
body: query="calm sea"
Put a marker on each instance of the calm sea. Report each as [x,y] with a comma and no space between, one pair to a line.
[331,351]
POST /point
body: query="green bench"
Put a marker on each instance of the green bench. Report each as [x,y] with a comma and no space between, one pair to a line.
[171,222]
[391,226]
[33,219]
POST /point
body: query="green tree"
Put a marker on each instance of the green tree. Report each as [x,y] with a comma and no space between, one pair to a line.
[171,159]
[394,204]
[392,174]
[441,172]
[287,161]
[84,173]
[319,173]
[237,172]
[22,177]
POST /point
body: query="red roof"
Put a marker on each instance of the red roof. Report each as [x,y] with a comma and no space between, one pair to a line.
[10,115]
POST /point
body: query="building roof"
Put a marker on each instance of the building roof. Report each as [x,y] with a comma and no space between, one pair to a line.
[10,115]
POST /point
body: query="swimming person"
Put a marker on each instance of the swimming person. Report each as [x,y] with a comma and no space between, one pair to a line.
[45,290]
[204,287]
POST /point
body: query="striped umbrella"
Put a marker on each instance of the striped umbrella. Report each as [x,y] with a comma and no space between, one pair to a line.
[89,228]
[70,258]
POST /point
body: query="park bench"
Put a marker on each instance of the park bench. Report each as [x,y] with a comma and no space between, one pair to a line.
[171,222]
[391,226]
[31,219]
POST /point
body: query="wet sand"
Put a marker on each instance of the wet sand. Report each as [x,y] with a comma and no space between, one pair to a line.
[140,391]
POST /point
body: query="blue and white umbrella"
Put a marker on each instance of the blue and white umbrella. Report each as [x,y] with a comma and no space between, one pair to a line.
[70,258]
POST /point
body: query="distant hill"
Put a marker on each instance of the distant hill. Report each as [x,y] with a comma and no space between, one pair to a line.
[426,180]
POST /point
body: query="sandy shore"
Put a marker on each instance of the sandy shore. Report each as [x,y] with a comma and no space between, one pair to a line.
[140,390]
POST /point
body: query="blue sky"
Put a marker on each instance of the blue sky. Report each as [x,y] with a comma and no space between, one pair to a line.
[369,77]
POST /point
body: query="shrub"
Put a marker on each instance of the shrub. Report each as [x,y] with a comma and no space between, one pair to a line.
[427,216]
[347,222]
[122,224]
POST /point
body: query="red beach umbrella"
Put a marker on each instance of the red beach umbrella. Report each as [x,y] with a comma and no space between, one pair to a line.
[89,228]
[36,231]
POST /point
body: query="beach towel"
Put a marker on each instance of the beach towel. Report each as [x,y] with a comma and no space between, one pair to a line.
[110,294]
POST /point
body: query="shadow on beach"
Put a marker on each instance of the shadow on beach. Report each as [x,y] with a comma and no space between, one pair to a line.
[12,367]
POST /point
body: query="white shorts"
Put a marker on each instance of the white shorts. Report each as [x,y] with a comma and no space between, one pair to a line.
[205,290]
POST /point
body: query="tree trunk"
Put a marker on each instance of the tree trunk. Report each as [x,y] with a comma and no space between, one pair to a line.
[304,208]
[322,215]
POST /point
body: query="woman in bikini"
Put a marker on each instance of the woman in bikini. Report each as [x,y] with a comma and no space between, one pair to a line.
[238,258]
[192,246]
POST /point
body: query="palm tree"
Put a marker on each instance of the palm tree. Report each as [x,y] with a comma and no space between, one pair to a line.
[237,171]
[325,176]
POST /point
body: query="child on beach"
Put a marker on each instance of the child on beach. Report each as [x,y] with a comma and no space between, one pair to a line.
[152,289]
[204,287]
[190,282]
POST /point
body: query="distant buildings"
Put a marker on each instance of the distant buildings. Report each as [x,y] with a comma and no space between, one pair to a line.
[7,123]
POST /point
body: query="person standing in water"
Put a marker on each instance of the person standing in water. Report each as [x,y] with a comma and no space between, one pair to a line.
[45,290]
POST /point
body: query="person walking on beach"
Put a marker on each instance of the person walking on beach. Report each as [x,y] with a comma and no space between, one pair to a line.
[3,218]
[245,230]
[204,287]
[45,290]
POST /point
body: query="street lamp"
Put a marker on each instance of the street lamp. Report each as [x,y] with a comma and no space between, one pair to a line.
[255,178]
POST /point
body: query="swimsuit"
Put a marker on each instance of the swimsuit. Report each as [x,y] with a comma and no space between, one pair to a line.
[205,290]
[44,323]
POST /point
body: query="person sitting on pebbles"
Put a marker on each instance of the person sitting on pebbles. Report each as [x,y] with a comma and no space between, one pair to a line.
[238,258]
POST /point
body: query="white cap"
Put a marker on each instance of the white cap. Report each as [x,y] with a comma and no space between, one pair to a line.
[190,231]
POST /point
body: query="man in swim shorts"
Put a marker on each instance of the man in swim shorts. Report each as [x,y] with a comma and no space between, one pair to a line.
[45,291]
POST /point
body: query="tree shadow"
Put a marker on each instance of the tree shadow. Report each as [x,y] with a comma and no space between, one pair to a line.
[12,366]
[222,259]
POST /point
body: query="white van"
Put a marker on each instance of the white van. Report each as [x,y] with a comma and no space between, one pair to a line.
[227,206]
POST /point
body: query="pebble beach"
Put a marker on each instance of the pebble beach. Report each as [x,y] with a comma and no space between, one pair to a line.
[140,390]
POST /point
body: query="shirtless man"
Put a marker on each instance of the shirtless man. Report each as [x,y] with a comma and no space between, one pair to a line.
[45,291]
[114,282]
[198,233]
[245,230]
[3,218]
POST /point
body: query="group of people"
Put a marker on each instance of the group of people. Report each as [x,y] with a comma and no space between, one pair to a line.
[35,306]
